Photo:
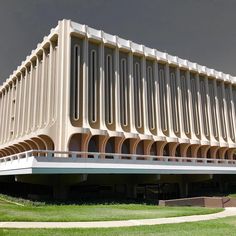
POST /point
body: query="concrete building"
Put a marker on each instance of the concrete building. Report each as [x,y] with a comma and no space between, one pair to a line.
[86,102]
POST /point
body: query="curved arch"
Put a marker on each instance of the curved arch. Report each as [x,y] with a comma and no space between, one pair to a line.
[48,142]
[10,150]
[160,147]
[34,144]
[143,147]
[231,154]
[20,147]
[30,144]
[40,143]
[202,151]
[177,151]
[25,145]
[140,149]
[222,152]
[172,148]
[183,149]
[126,146]
[75,143]
[166,150]
[153,149]
[211,153]
[6,151]
[193,150]
[129,145]
[17,148]
[110,145]
[93,144]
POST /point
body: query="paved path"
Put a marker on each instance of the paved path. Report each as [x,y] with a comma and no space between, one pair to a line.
[231,211]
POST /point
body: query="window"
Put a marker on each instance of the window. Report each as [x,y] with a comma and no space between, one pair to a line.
[204,107]
[194,104]
[163,98]
[109,89]
[174,100]
[184,98]
[151,96]
[213,107]
[76,81]
[93,85]
[138,94]
[221,109]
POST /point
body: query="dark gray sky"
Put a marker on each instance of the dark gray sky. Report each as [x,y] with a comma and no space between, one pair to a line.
[203,31]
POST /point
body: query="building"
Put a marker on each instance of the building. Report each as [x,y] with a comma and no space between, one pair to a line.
[89,103]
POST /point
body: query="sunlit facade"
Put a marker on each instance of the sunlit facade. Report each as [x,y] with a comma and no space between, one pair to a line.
[88,91]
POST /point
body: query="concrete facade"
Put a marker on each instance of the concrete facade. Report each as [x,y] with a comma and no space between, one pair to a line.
[85,90]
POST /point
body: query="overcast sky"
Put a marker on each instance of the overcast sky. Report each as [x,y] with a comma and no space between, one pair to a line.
[203,31]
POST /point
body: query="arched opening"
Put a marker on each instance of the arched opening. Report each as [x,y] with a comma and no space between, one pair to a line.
[75,143]
[126,147]
[10,151]
[166,150]
[199,153]
[177,151]
[153,149]
[222,153]
[189,152]
[20,148]
[183,149]
[202,151]
[217,156]
[40,143]
[110,145]
[234,156]
[212,152]
[93,145]
[140,148]
[31,144]
[25,145]
[209,153]
[48,142]
[193,150]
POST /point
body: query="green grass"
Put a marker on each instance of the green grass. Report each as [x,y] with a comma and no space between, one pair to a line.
[219,227]
[11,212]
[233,195]
[38,211]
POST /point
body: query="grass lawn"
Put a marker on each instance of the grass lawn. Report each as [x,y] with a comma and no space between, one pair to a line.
[98,212]
[15,209]
[219,227]
[233,195]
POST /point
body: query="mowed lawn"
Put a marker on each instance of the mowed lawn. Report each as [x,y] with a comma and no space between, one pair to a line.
[97,212]
[220,227]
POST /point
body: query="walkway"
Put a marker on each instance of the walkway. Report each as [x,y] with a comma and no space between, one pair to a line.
[231,211]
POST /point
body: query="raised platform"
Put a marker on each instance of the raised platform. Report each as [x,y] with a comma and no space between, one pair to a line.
[55,162]
[220,202]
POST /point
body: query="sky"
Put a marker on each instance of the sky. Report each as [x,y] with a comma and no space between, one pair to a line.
[202,31]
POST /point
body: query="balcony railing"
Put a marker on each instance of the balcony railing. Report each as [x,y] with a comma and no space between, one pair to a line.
[116,157]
